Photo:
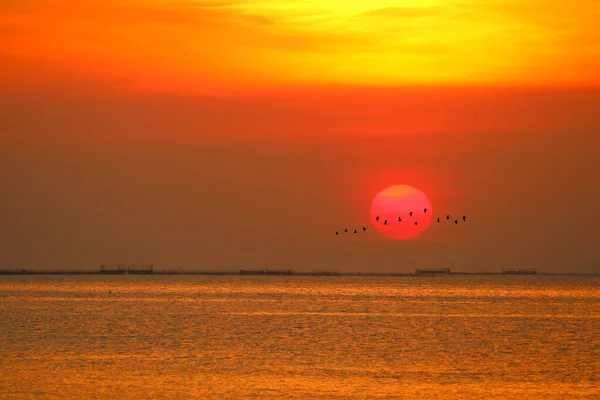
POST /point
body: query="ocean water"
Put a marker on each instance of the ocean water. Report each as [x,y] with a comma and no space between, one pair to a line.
[244,337]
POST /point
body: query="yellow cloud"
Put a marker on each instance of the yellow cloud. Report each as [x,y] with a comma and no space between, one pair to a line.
[195,44]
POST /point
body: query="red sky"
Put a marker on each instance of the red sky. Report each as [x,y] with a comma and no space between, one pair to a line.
[226,135]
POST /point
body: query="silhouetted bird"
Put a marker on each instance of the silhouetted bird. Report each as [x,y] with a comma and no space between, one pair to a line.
[464,217]
[385,222]
[416,223]
[377,218]
[364,229]
[448,216]
[438,220]
[399,219]
[346,230]
[355,231]
[425,211]
[109,292]
[410,215]
[337,233]
[456,221]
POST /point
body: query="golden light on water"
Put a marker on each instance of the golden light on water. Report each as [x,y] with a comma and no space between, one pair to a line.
[236,337]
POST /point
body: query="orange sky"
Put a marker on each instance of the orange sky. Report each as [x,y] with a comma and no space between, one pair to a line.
[207,134]
[201,46]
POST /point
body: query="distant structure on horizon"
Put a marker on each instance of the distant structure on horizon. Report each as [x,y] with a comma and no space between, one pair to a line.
[429,271]
[126,269]
[516,271]
[265,271]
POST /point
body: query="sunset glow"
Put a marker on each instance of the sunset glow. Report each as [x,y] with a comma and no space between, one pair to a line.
[260,128]
[317,199]
[195,46]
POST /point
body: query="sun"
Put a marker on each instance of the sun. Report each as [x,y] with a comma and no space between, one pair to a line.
[398,202]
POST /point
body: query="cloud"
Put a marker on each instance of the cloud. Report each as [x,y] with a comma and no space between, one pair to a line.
[405,12]
[192,44]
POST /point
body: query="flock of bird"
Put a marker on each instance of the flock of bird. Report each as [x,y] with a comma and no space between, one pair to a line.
[416,223]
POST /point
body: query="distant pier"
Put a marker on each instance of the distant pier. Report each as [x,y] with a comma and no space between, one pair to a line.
[430,271]
[116,269]
[522,271]
[265,271]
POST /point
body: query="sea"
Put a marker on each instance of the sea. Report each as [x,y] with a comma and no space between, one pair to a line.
[299,337]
